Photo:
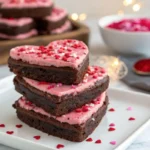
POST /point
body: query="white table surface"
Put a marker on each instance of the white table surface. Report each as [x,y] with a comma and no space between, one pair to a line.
[96,48]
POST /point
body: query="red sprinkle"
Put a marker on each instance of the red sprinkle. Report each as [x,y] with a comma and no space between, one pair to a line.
[112,125]
[112,109]
[89,140]
[60,146]
[37,137]
[2,126]
[98,141]
[131,118]
[19,126]
[111,129]
[78,110]
[10,132]
[85,108]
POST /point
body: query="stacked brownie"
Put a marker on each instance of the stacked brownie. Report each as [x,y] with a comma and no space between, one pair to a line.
[21,19]
[62,95]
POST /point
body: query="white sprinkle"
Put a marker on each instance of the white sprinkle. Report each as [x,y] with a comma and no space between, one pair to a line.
[93,119]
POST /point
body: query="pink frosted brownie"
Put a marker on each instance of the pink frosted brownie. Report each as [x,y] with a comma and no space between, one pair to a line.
[62,61]
[26,8]
[74,126]
[59,99]
[67,26]
[11,28]
[56,20]
[20,36]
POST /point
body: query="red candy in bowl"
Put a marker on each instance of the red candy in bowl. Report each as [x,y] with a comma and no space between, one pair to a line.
[128,34]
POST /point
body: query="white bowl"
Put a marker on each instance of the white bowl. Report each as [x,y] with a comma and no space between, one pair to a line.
[124,42]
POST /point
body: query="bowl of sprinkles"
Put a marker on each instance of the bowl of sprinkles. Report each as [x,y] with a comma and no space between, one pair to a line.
[128,34]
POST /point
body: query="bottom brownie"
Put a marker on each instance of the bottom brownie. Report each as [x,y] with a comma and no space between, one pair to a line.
[50,125]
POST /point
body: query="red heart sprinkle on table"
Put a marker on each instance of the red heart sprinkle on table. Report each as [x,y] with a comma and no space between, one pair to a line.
[98,141]
[113,142]
[19,126]
[112,125]
[131,118]
[10,132]
[89,140]
[37,137]
[111,129]
[112,109]
[60,146]
[2,126]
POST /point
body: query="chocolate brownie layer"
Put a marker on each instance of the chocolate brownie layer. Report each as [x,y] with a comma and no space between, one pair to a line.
[15,30]
[25,12]
[57,18]
[64,75]
[76,133]
[57,105]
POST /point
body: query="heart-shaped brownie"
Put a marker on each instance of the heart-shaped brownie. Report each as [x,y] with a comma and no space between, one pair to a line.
[61,61]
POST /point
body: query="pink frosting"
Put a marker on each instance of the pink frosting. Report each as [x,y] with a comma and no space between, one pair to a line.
[16,22]
[79,116]
[57,14]
[93,75]
[59,53]
[19,36]
[63,28]
[26,3]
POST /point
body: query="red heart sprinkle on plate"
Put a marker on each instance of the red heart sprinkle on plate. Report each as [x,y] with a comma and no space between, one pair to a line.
[89,140]
[19,126]
[2,126]
[37,137]
[112,109]
[10,132]
[98,141]
[111,129]
[60,146]
[131,118]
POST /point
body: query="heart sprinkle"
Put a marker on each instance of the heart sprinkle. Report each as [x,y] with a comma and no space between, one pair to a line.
[129,108]
[111,109]
[37,137]
[89,140]
[60,146]
[113,142]
[112,125]
[98,141]
[10,132]
[19,126]
[111,129]
[131,118]
[2,126]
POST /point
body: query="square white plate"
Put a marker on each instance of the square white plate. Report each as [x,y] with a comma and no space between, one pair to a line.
[126,131]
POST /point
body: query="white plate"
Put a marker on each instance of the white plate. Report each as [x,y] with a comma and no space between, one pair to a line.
[126,131]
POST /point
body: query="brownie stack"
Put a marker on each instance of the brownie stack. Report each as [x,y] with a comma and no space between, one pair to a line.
[62,95]
[21,19]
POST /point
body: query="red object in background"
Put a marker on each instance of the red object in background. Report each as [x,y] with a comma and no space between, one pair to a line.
[132,25]
[142,66]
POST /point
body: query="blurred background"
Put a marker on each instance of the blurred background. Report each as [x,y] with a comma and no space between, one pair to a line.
[96,8]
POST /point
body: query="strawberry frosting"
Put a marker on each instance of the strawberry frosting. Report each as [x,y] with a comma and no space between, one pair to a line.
[26,3]
[93,75]
[79,116]
[16,22]
[57,14]
[19,36]
[63,28]
[61,53]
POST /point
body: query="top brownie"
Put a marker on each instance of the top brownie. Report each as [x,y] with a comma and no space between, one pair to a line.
[26,8]
[62,61]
